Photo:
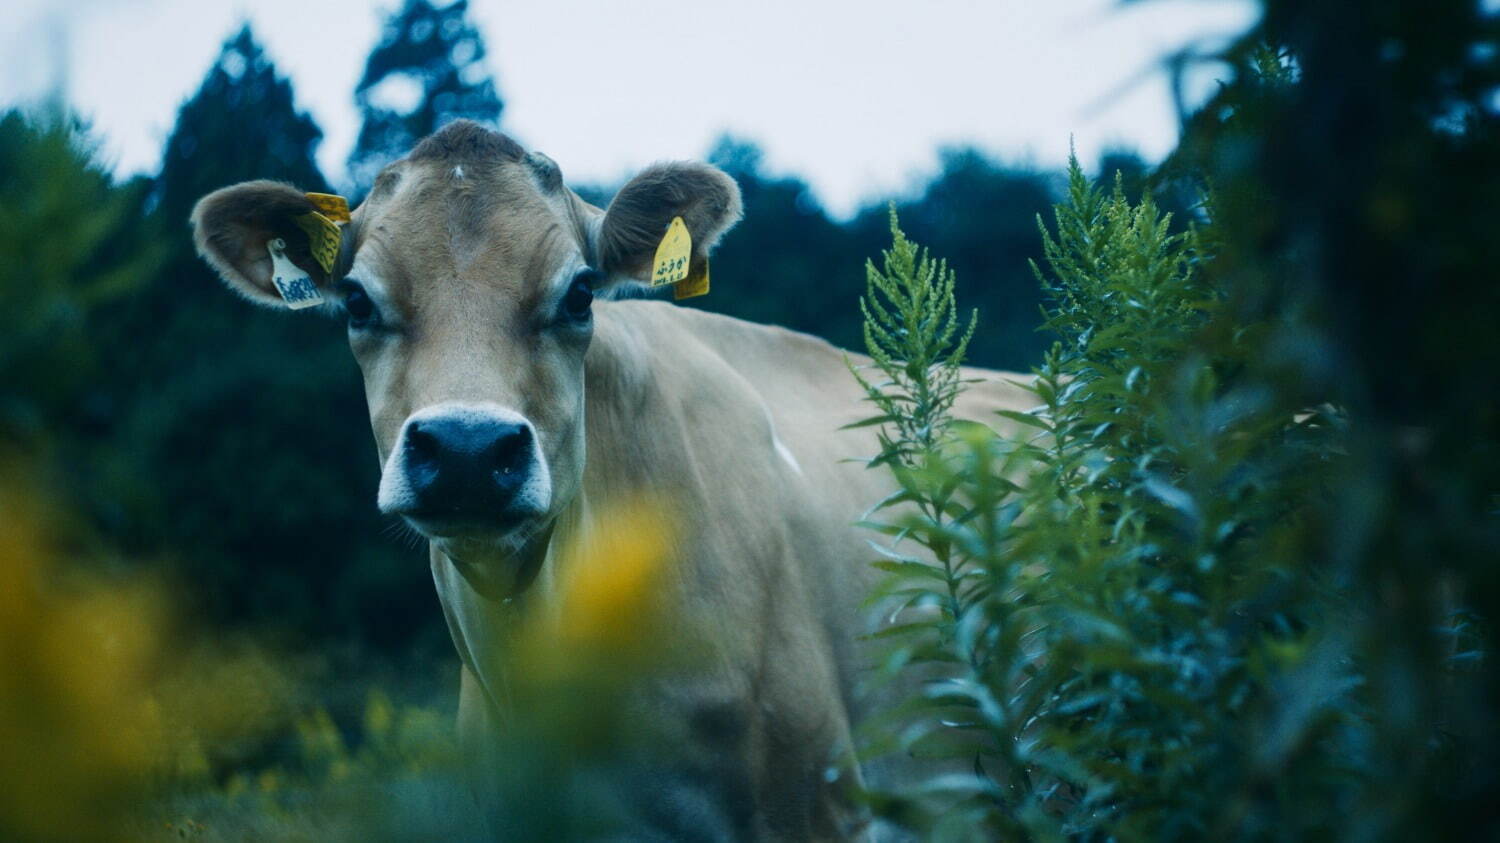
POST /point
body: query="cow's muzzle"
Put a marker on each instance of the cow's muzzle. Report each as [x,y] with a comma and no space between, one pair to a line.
[466,471]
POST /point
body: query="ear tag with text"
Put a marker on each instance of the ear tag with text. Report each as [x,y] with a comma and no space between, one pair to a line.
[323,238]
[672,255]
[335,208]
[322,227]
[694,285]
[295,286]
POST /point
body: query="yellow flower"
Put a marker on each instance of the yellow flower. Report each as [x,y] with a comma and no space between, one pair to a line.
[76,718]
[611,594]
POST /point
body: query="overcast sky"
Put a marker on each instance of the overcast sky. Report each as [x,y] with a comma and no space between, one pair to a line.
[856,96]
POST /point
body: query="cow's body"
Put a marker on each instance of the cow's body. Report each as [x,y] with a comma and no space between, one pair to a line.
[739,425]
[510,410]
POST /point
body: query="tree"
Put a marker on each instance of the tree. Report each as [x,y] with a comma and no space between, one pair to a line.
[427,69]
[74,243]
[242,122]
[786,263]
[220,411]
[1362,192]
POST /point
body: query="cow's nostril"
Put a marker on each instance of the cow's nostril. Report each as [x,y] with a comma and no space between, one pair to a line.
[421,442]
[511,450]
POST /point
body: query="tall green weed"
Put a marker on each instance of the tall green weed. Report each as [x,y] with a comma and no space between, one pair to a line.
[1114,635]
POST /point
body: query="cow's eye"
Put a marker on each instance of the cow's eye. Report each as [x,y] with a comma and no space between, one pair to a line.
[579,299]
[357,304]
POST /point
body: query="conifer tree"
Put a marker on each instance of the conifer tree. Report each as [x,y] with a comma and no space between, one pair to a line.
[785,258]
[221,410]
[427,69]
[74,242]
[241,124]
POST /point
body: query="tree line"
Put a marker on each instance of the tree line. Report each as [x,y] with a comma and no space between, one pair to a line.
[232,444]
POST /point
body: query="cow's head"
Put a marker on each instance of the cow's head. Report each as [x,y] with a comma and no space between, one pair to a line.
[467,280]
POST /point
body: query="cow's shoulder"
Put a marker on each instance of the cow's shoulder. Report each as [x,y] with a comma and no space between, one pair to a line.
[787,368]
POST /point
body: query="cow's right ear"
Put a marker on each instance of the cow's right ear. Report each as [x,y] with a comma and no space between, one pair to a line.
[233,226]
[704,197]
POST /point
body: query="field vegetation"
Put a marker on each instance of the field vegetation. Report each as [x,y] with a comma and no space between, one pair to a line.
[1234,576]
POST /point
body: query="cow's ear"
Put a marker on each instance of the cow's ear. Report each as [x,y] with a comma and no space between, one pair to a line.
[233,226]
[705,197]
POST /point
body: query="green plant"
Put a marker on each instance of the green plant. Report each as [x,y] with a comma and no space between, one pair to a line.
[911,332]
[1112,634]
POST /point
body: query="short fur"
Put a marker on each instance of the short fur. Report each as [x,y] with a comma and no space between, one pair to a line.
[465,140]
[741,425]
[548,175]
[707,200]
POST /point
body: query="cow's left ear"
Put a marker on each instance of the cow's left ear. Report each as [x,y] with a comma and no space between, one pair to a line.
[705,197]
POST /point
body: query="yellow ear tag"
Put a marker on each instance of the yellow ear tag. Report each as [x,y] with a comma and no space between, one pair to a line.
[672,255]
[695,285]
[323,238]
[322,227]
[336,208]
[295,286]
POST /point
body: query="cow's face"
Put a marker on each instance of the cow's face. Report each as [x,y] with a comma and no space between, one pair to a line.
[467,282]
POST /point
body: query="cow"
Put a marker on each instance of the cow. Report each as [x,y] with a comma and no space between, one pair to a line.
[514,392]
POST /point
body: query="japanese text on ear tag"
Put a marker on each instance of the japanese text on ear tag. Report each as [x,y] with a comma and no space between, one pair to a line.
[295,286]
[672,255]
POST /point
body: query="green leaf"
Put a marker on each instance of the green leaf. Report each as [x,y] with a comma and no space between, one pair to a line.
[1024,418]
[873,420]
[912,569]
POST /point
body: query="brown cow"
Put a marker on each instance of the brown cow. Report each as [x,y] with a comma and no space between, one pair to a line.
[509,404]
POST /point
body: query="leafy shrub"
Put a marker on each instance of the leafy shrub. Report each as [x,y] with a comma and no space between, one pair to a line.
[1114,636]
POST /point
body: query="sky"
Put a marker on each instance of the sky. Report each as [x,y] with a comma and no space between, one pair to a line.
[855,96]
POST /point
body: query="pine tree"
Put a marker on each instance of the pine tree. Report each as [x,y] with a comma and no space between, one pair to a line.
[433,57]
[785,259]
[220,409]
[241,124]
[74,242]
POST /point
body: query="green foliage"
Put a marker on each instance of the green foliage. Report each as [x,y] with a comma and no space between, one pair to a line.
[393,773]
[436,51]
[1362,195]
[786,262]
[978,213]
[789,263]
[1113,638]
[74,242]
[911,333]
[212,415]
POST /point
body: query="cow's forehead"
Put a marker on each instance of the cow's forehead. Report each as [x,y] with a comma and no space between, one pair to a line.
[482,222]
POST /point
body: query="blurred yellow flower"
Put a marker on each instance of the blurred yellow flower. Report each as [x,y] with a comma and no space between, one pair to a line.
[99,704]
[77,722]
[610,601]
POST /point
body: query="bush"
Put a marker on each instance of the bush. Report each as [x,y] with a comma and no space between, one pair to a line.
[1118,633]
